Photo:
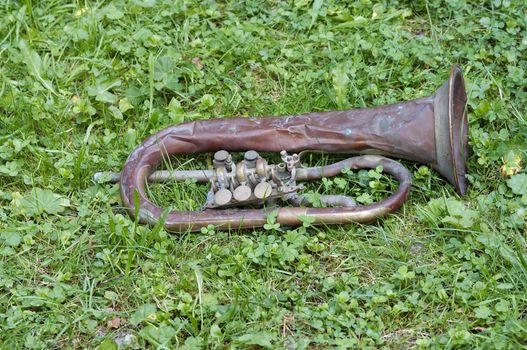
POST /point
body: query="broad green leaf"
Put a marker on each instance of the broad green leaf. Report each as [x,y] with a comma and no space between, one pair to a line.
[307,220]
[101,91]
[116,112]
[340,85]
[215,331]
[110,295]
[135,94]
[108,344]
[459,214]
[125,105]
[357,21]
[40,201]
[343,297]
[483,312]
[112,12]
[482,108]
[262,339]
[143,312]
[175,111]
[166,72]
[10,168]
[503,306]
[271,218]
[512,160]
[12,239]
[161,335]
[288,252]
[403,273]
[75,33]
[34,64]
[192,343]
[31,59]
[295,238]
[340,182]
[315,10]
[301,3]
[7,251]
[364,198]
[271,226]
[518,184]
[164,67]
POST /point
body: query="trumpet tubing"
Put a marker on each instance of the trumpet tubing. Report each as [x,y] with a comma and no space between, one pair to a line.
[430,130]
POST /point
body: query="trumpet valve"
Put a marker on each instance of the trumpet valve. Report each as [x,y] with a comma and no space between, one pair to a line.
[222,158]
[291,161]
[263,190]
[251,181]
[242,193]
[222,197]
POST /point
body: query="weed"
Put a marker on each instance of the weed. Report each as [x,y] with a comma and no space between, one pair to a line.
[82,83]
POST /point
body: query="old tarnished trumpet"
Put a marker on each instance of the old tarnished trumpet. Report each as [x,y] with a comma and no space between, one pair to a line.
[430,130]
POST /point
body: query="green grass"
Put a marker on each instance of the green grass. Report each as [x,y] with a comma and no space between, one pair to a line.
[83,83]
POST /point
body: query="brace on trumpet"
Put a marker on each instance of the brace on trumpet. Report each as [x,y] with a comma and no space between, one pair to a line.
[430,130]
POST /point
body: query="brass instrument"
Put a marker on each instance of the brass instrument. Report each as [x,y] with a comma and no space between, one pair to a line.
[430,130]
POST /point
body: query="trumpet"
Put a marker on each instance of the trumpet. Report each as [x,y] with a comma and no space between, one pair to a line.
[430,130]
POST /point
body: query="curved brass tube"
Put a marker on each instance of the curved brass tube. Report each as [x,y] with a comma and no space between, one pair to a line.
[149,213]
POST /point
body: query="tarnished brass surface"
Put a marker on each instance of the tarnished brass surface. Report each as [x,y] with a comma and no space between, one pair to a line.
[430,130]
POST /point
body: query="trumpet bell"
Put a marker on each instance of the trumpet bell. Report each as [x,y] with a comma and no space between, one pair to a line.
[451,130]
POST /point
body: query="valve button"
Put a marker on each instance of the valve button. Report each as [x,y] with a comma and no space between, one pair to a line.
[263,190]
[242,193]
[250,156]
[222,197]
[221,156]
